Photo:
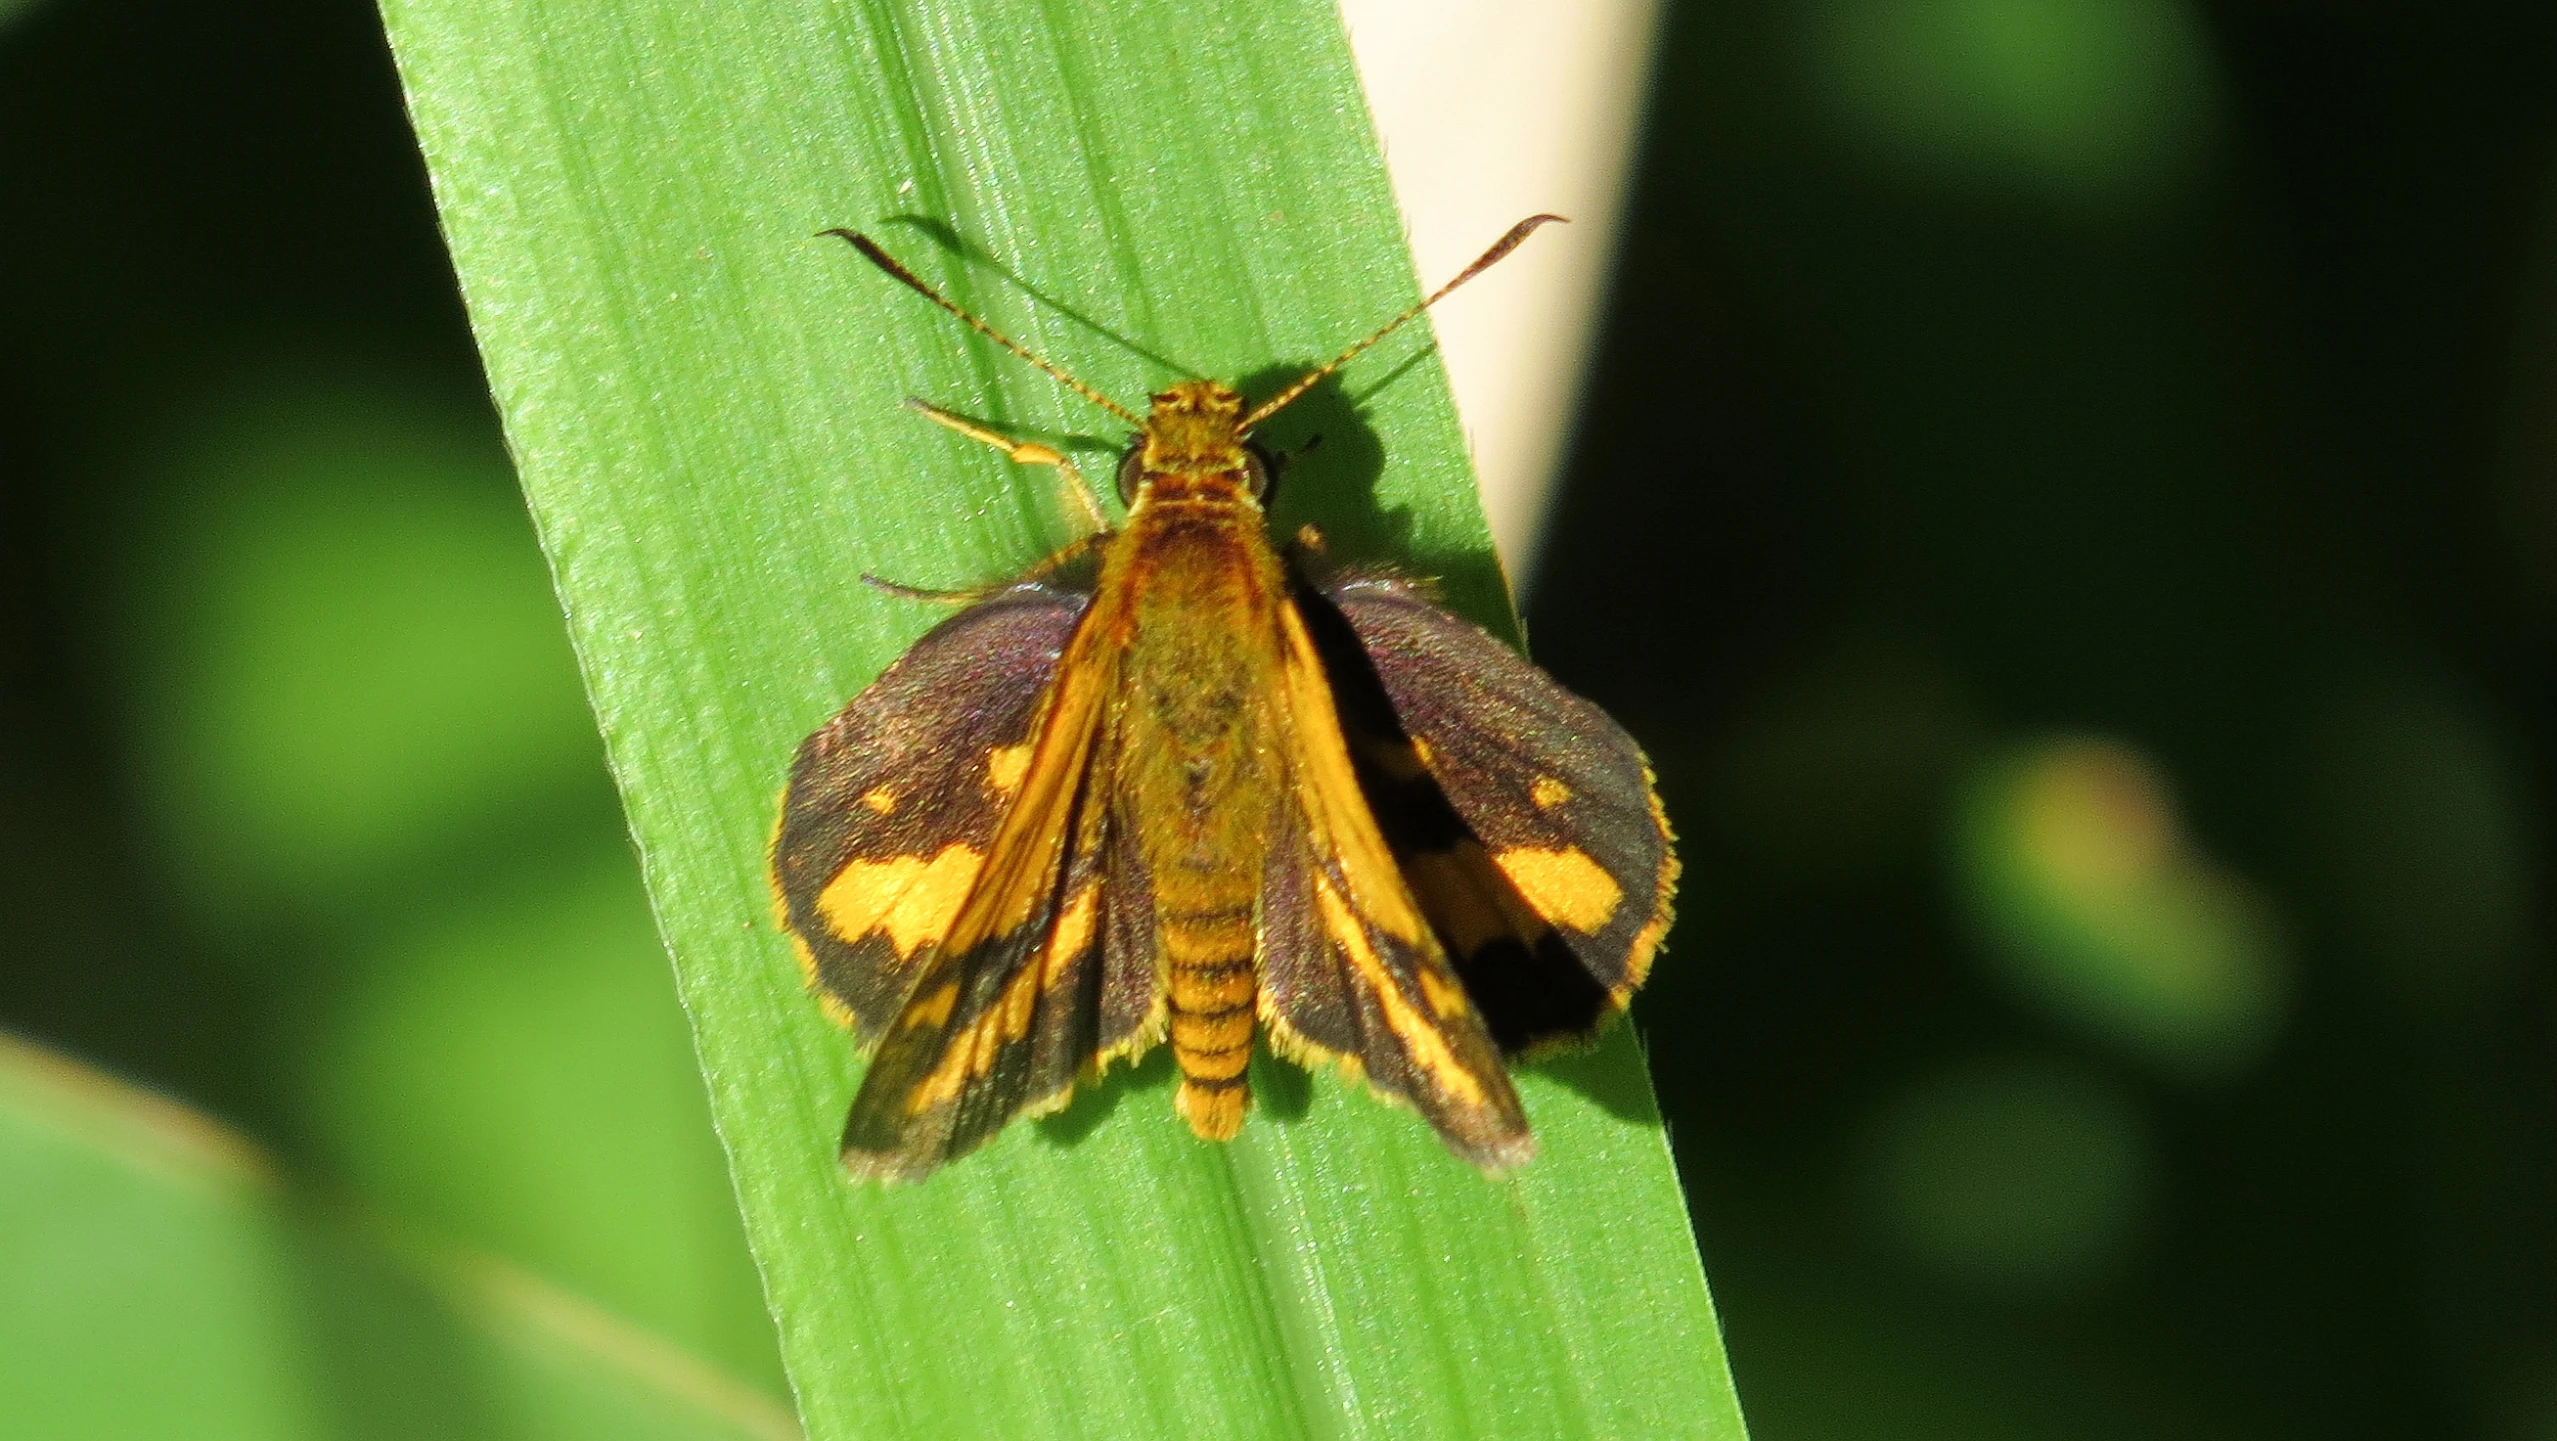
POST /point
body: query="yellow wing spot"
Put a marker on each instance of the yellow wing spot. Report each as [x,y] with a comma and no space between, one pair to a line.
[1443,995]
[1429,1050]
[880,800]
[1072,936]
[942,1086]
[1422,749]
[933,1010]
[1548,793]
[912,899]
[1005,766]
[1564,886]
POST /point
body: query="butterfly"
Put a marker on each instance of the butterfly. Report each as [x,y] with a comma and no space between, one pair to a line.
[1183,783]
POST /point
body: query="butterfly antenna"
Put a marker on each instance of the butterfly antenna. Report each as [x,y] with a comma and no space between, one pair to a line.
[870,251]
[1489,258]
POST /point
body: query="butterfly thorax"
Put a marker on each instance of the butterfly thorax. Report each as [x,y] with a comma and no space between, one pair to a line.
[1199,774]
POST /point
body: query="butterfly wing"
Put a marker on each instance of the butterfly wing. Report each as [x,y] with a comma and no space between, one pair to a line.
[991,945]
[1351,969]
[1525,820]
[892,805]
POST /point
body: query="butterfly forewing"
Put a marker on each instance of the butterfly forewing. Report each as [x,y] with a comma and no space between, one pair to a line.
[958,892]
[891,807]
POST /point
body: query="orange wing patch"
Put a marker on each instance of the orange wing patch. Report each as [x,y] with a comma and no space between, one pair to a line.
[1564,885]
[1004,768]
[907,899]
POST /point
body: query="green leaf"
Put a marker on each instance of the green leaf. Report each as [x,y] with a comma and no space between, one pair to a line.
[703,402]
[157,1279]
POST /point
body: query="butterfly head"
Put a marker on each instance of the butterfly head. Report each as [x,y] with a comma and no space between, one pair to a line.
[1195,427]
[1193,438]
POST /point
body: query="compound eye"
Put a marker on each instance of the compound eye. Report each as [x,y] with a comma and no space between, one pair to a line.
[1256,473]
[1131,471]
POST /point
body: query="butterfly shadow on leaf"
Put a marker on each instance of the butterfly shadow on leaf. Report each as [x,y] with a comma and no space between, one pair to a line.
[1331,460]
[1332,474]
[1611,1072]
[1095,1101]
[945,236]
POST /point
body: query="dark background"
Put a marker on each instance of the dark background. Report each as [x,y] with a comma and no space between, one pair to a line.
[2066,494]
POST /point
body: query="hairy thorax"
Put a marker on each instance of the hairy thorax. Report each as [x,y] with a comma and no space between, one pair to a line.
[1194,722]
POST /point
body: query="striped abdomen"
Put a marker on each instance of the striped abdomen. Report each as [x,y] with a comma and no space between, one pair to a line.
[1207,940]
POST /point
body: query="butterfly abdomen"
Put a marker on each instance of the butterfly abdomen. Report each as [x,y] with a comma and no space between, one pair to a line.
[1207,939]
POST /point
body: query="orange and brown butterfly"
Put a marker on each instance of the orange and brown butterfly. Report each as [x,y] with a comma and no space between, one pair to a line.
[1181,783]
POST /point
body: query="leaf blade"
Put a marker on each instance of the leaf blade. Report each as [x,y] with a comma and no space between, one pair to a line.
[702,399]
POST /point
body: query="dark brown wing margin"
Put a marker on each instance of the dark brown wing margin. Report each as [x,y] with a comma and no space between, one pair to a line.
[1524,818]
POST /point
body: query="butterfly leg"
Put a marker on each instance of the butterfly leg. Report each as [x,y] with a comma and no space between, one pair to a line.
[967,595]
[1043,575]
[1081,508]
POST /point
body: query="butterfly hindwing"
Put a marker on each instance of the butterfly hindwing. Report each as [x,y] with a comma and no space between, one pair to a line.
[1524,820]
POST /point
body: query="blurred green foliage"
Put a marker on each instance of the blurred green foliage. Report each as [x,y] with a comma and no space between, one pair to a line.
[161,1282]
[2171,379]
[2104,104]
[344,662]
[2080,881]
